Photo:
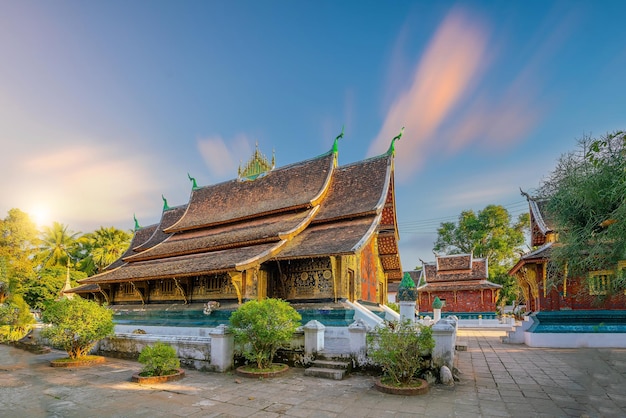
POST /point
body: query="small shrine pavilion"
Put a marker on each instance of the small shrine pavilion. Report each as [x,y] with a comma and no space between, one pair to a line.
[311,231]
[460,282]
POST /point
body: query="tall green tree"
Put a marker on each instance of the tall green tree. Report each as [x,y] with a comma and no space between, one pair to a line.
[102,247]
[586,199]
[489,234]
[18,243]
[57,244]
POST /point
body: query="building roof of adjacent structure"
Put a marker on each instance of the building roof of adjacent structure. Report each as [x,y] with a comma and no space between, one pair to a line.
[456,286]
[539,254]
[455,268]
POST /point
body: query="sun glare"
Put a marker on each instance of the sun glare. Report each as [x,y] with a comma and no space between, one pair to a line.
[41,216]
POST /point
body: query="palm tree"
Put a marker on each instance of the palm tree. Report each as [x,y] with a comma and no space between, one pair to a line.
[105,246]
[56,246]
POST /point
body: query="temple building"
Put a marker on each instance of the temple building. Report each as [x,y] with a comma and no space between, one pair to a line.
[312,231]
[460,282]
[564,311]
[535,274]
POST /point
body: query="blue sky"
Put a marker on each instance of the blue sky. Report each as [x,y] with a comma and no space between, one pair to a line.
[104,106]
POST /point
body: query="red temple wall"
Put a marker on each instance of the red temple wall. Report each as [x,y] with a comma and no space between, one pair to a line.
[369,281]
[578,298]
[466,301]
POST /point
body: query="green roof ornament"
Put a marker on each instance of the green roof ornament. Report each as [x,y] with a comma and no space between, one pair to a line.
[194,185]
[137,227]
[407,291]
[392,147]
[437,304]
[165,206]
[336,143]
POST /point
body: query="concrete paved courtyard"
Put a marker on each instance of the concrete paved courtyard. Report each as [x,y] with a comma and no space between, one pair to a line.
[497,380]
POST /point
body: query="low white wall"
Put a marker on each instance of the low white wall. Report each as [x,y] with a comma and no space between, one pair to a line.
[165,330]
[575,340]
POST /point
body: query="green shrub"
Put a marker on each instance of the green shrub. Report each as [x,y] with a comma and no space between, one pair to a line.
[394,306]
[399,348]
[76,324]
[261,327]
[15,318]
[158,360]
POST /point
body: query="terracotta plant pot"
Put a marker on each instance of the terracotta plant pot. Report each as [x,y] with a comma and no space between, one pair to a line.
[79,362]
[245,372]
[422,389]
[147,380]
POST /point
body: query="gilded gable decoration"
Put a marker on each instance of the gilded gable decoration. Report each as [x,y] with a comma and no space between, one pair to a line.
[257,166]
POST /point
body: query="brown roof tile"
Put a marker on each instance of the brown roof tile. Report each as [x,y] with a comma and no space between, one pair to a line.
[141,235]
[187,265]
[286,188]
[462,285]
[168,218]
[343,237]
[357,189]
[226,236]
[478,271]
[84,288]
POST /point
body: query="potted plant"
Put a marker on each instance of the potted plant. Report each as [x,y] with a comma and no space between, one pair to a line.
[399,348]
[160,364]
[260,328]
[76,325]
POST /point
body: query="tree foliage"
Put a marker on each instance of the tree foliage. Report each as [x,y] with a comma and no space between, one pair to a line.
[102,247]
[262,327]
[76,324]
[586,199]
[57,243]
[399,347]
[490,234]
[18,242]
[47,284]
[15,318]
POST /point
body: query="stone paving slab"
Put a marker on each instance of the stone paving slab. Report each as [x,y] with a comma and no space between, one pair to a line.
[497,380]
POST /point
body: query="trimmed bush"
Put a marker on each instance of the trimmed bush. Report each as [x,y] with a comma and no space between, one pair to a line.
[158,360]
[76,325]
[262,327]
[399,349]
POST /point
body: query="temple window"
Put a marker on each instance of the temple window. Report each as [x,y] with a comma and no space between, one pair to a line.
[167,287]
[126,289]
[600,282]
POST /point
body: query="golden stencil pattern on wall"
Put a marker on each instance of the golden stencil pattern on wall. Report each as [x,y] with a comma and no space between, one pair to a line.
[310,278]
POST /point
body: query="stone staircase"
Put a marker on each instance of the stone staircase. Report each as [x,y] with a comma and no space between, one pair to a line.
[516,334]
[328,369]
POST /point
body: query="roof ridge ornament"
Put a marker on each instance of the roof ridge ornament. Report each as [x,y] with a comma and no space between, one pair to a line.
[194,185]
[392,147]
[336,143]
[257,166]
[165,206]
[137,226]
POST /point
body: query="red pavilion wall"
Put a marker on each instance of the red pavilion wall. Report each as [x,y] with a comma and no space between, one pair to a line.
[466,301]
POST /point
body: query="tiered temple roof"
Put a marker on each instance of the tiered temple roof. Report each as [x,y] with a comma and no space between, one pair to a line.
[307,209]
[457,272]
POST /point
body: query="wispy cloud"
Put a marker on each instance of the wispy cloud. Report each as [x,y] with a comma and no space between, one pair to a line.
[223,157]
[450,105]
